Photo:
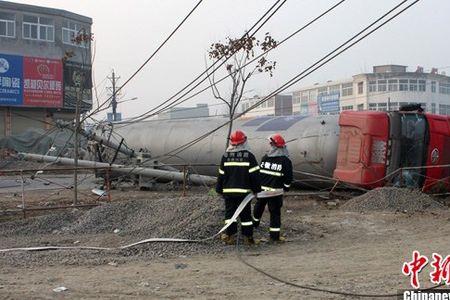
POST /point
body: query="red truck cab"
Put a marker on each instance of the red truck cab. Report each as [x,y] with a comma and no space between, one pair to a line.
[403,148]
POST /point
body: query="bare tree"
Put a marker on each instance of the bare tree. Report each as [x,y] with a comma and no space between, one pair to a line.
[82,39]
[236,53]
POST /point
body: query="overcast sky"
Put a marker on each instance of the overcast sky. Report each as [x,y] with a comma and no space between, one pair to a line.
[127,32]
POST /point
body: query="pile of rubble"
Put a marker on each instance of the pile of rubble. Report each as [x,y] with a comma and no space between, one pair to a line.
[117,224]
[191,217]
[394,200]
[120,223]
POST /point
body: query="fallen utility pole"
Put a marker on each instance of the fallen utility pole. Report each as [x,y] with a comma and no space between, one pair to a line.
[99,139]
[121,169]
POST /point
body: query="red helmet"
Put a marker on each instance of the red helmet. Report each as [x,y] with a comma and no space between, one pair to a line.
[277,140]
[237,137]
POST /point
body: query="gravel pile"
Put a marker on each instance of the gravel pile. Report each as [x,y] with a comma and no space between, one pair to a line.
[120,223]
[193,217]
[39,225]
[117,224]
[394,200]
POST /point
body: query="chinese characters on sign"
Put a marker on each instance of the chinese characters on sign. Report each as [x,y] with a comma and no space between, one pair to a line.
[271,166]
[440,269]
[329,103]
[11,69]
[42,82]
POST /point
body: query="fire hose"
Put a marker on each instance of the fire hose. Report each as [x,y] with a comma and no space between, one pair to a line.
[233,219]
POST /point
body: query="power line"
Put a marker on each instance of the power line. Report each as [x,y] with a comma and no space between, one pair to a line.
[143,117]
[217,61]
[268,109]
[254,59]
[324,60]
[179,100]
[151,56]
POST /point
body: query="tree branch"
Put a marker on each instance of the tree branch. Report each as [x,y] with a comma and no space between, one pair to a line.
[213,86]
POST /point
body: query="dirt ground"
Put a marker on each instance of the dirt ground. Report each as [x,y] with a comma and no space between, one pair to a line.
[344,251]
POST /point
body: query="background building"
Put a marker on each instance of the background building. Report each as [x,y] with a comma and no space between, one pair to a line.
[200,110]
[41,66]
[387,88]
[278,105]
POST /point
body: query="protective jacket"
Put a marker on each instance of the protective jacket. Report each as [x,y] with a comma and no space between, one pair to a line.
[275,173]
[238,174]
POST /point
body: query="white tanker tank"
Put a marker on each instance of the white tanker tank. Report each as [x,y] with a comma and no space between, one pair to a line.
[313,141]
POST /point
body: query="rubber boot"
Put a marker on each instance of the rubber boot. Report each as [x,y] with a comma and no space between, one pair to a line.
[280,240]
[249,241]
[228,239]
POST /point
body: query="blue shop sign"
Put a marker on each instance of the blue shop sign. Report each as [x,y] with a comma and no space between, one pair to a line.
[329,103]
[11,76]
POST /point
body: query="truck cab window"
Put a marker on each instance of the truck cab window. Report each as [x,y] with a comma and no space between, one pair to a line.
[413,148]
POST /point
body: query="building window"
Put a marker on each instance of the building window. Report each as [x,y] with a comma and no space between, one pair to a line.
[7,25]
[382,85]
[360,107]
[323,91]
[422,84]
[360,87]
[444,109]
[38,28]
[403,85]
[304,97]
[433,108]
[347,89]
[444,88]
[433,86]
[372,86]
[313,95]
[348,107]
[392,85]
[296,98]
[382,106]
[304,110]
[70,31]
[413,85]
[393,106]
[378,106]
[335,89]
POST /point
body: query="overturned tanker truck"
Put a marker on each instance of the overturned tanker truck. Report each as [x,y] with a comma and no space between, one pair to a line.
[366,148]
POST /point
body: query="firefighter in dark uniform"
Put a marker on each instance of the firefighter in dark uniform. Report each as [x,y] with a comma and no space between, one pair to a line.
[276,177]
[238,176]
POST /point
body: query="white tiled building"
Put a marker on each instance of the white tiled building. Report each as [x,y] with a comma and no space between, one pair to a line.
[278,105]
[387,88]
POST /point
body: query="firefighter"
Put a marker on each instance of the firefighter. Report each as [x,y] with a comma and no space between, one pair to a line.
[238,176]
[276,177]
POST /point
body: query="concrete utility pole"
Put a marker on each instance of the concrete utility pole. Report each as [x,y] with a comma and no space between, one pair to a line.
[114,79]
[76,144]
